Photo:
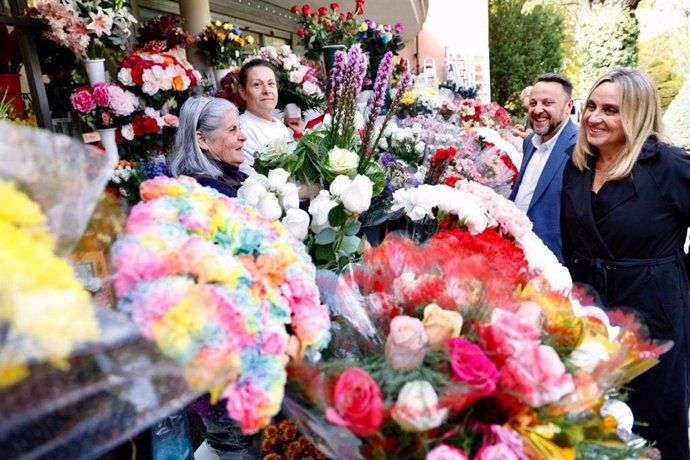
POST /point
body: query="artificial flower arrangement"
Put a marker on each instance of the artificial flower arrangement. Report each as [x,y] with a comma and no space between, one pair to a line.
[163,33]
[222,290]
[326,26]
[222,44]
[105,105]
[466,346]
[297,79]
[85,27]
[45,313]
[160,79]
[377,39]
[339,155]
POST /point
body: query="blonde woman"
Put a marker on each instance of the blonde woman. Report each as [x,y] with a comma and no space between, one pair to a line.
[626,211]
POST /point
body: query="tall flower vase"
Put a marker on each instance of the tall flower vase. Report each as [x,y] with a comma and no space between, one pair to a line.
[219,74]
[108,140]
[374,64]
[95,69]
[329,56]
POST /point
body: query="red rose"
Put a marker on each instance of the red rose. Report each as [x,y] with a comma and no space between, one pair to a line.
[358,403]
[306,9]
[335,6]
[294,8]
[342,16]
[349,15]
[323,11]
[302,32]
[138,126]
[150,125]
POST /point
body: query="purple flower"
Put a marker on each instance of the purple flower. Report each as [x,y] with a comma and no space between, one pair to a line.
[398,27]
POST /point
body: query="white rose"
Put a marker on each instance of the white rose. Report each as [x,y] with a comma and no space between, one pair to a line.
[357,196]
[252,191]
[296,222]
[339,184]
[343,161]
[269,207]
[588,355]
[416,128]
[417,407]
[419,147]
[383,143]
[277,178]
[272,53]
[289,196]
[127,131]
[125,76]
[399,135]
[319,209]
[310,88]
[285,50]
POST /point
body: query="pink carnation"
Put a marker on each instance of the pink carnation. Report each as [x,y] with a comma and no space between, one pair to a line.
[537,376]
[506,335]
[123,103]
[82,101]
[250,405]
[101,96]
[501,443]
[446,452]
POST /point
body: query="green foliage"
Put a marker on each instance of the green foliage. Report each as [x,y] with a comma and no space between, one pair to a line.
[521,47]
[658,57]
[677,118]
[607,38]
[668,82]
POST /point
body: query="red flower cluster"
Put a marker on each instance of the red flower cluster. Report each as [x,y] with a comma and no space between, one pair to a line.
[480,113]
[437,164]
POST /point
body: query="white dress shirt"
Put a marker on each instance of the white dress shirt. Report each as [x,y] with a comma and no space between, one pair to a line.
[534,169]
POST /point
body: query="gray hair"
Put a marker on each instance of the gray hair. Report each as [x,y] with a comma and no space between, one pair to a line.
[204,114]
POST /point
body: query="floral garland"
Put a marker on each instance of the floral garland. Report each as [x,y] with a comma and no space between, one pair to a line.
[218,287]
[45,313]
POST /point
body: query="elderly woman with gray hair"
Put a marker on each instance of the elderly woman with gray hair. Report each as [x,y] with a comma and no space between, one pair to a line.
[208,145]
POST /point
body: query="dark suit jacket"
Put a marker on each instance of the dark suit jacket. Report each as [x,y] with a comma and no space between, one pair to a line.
[545,208]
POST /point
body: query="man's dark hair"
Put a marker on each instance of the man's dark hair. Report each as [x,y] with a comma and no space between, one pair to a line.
[242,78]
[556,78]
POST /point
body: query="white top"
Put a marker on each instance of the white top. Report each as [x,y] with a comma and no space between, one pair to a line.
[534,169]
[259,132]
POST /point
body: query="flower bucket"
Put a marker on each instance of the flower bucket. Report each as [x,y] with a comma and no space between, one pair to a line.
[95,69]
[329,56]
[219,75]
[108,140]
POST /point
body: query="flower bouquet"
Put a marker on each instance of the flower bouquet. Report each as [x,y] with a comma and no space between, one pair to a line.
[85,27]
[150,132]
[159,79]
[222,44]
[457,348]
[326,26]
[378,39]
[297,79]
[105,105]
[226,293]
[420,101]
[163,33]
[475,114]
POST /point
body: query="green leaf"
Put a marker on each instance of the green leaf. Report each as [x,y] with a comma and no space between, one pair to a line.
[326,236]
[377,174]
[325,252]
[350,245]
[337,216]
[352,227]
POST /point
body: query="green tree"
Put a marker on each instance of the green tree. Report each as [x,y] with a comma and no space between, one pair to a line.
[677,118]
[522,46]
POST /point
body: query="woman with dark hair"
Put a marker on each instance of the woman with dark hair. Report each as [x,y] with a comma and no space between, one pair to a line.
[626,211]
[209,144]
[259,89]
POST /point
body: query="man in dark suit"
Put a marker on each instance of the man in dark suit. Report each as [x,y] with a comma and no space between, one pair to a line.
[538,189]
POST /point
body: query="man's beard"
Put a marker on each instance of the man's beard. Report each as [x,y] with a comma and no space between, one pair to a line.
[552,127]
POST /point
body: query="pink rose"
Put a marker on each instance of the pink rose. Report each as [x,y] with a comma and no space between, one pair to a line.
[82,101]
[358,403]
[536,376]
[101,96]
[501,443]
[406,343]
[470,365]
[446,452]
[170,120]
[507,334]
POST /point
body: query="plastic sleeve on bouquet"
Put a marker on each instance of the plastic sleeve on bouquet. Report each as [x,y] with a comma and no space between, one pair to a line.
[113,389]
[63,175]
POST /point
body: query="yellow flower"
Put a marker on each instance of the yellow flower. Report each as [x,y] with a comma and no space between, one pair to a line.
[218,23]
[250,39]
[441,325]
[17,207]
[408,98]
[227,26]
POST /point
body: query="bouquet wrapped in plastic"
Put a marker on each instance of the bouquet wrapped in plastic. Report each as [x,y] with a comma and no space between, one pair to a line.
[226,293]
[460,348]
[74,380]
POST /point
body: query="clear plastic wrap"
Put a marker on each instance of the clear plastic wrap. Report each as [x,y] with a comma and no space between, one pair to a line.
[112,390]
[63,175]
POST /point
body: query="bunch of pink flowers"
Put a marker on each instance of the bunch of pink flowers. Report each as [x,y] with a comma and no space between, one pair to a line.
[105,105]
